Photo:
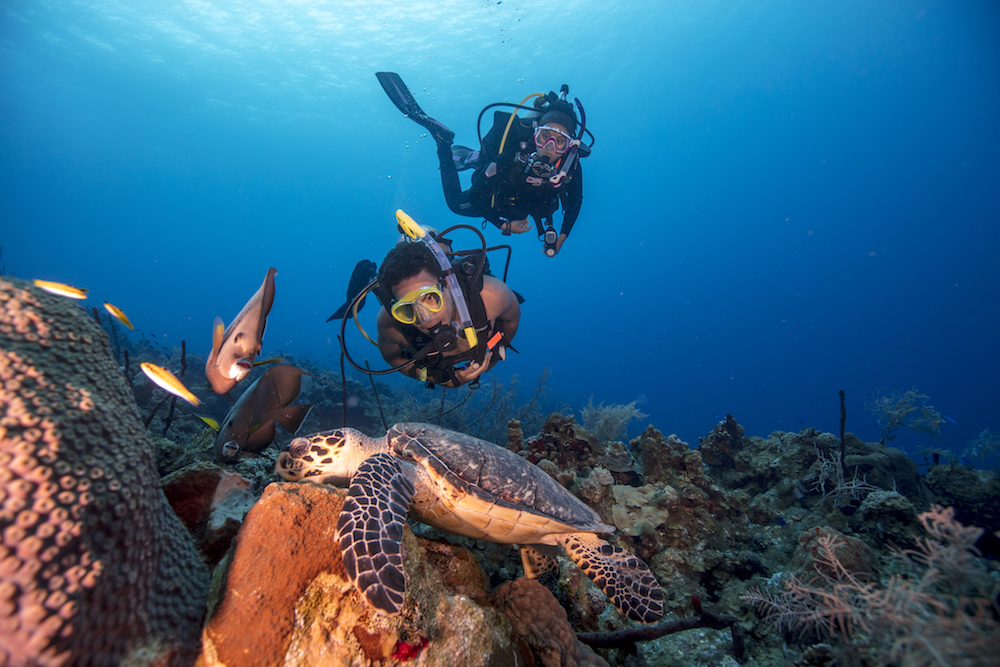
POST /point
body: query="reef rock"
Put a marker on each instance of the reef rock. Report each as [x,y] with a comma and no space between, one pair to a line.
[211,501]
[565,449]
[285,598]
[95,567]
[787,469]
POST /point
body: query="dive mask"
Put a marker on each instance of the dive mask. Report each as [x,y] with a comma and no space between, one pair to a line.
[429,299]
[551,139]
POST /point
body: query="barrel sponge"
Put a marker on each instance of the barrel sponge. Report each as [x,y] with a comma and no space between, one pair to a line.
[95,568]
[542,623]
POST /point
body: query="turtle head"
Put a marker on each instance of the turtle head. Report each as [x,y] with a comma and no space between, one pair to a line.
[330,457]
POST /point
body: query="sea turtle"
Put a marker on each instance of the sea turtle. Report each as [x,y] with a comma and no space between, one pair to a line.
[462,485]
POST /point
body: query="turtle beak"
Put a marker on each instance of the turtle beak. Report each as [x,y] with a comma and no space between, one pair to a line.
[288,467]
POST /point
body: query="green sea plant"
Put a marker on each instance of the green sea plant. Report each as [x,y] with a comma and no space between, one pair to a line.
[982,445]
[941,612]
[897,409]
[609,422]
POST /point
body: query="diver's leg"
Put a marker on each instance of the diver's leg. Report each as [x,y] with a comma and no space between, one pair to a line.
[405,102]
[457,200]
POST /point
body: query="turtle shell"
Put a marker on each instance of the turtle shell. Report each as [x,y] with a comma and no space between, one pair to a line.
[491,472]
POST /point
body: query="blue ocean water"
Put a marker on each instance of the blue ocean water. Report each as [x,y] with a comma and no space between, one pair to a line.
[785,198]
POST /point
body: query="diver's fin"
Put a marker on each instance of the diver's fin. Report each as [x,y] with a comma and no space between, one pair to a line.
[465,158]
[364,272]
[520,299]
[403,99]
[339,315]
[399,93]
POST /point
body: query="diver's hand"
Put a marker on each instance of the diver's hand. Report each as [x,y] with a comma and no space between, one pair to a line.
[559,242]
[519,226]
[474,370]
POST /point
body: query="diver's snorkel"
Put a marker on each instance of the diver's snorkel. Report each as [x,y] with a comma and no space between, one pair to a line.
[557,179]
[416,232]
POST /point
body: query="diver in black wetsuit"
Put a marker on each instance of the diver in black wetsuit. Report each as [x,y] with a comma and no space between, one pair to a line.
[526,167]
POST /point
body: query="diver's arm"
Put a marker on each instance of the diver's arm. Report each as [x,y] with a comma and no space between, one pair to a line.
[572,201]
[501,307]
[392,344]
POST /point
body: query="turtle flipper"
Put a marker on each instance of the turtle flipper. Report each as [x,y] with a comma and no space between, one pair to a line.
[624,578]
[538,560]
[370,531]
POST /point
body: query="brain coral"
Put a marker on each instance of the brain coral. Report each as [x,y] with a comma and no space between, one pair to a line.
[95,568]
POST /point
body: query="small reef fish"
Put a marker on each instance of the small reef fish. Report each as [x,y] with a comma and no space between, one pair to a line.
[168,382]
[117,313]
[249,426]
[364,272]
[235,347]
[62,289]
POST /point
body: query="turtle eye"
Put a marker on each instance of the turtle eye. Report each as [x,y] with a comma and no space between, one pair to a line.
[298,447]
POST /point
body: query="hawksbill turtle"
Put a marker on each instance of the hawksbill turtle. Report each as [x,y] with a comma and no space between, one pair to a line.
[465,486]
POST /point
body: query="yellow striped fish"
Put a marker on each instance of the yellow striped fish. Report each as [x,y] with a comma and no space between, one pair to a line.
[61,289]
[117,313]
[168,382]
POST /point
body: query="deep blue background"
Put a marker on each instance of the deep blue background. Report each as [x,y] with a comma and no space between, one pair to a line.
[786,198]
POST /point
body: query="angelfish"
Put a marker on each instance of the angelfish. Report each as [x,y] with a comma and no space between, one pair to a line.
[249,426]
[235,347]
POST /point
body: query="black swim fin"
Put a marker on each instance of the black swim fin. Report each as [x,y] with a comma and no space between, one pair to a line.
[399,93]
[364,272]
[405,102]
[465,158]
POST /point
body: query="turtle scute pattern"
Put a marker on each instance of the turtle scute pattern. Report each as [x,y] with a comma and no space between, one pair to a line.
[370,531]
[492,473]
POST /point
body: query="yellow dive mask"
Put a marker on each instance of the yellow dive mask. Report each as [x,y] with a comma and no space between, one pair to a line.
[429,298]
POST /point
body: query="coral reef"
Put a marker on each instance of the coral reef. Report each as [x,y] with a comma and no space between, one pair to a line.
[95,568]
[803,469]
[211,502]
[975,494]
[542,624]
[943,616]
[285,598]
[609,422]
[482,412]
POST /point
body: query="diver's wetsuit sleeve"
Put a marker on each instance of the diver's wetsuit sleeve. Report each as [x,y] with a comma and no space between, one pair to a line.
[572,200]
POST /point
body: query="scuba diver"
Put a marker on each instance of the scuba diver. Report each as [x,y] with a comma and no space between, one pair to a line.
[439,310]
[526,167]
